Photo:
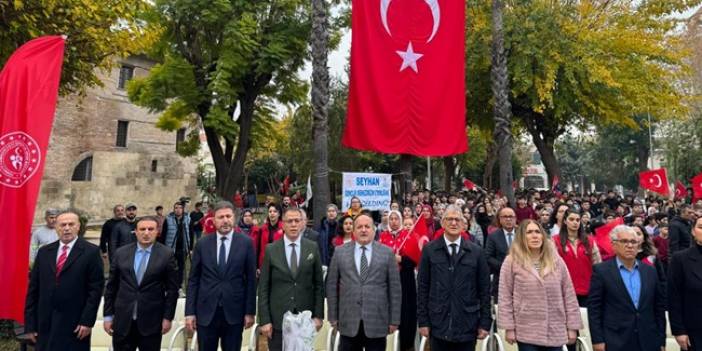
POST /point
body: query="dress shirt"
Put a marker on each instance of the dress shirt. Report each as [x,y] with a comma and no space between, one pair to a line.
[632,280]
[357,254]
[288,249]
[70,247]
[227,244]
[448,244]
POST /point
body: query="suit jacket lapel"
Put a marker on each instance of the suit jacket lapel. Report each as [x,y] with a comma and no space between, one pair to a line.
[153,259]
[52,251]
[351,258]
[694,257]
[503,240]
[375,258]
[76,251]
[131,256]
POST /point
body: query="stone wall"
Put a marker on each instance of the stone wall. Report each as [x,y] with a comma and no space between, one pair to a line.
[87,126]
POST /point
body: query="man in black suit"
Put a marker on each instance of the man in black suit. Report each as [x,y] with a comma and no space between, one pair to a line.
[307,232]
[291,280]
[64,290]
[626,304]
[221,298]
[680,231]
[141,292]
[498,244]
[123,232]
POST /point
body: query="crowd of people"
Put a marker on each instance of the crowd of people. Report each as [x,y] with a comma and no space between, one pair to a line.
[432,264]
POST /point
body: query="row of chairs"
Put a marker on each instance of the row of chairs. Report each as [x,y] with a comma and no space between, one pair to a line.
[327,338]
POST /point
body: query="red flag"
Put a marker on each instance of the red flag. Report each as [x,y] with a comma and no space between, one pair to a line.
[468,184]
[696,184]
[602,238]
[680,190]
[28,91]
[407,77]
[410,247]
[655,180]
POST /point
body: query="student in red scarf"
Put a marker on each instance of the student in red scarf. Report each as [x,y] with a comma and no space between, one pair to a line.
[406,247]
[432,225]
[579,252]
[269,232]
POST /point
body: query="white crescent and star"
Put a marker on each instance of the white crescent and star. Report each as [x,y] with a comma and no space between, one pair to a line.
[409,57]
[660,181]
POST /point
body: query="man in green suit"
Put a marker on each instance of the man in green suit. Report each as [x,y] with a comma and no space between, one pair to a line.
[291,280]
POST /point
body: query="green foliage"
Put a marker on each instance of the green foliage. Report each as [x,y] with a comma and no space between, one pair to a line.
[98,31]
[681,144]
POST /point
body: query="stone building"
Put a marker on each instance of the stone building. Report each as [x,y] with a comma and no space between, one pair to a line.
[104,150]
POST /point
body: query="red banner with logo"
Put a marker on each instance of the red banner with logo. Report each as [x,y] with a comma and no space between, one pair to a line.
[407,83]
[28,91]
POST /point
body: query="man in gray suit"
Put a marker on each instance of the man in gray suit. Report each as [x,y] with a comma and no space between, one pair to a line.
[363,290]
[291,280]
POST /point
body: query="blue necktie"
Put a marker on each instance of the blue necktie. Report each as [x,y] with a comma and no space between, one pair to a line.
[142,266]
[222,255]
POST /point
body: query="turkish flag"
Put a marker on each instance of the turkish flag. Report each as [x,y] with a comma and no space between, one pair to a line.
[655,180]
[680,190]
[407,81]
[468,184]
[604,243]
[410,247]
[696,184]
[28,91]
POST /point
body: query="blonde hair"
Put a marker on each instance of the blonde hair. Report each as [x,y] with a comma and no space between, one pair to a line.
[520,249]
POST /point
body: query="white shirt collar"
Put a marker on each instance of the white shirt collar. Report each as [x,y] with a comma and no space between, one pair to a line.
[228,235]
[448,242]
[368,246]
[288,241]
[70,244]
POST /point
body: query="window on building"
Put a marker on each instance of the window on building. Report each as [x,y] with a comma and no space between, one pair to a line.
[83,171]
[126,73]
[180,136]
[122,129]
[154,165]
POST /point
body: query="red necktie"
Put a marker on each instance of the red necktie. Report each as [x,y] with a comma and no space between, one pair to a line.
[61,260]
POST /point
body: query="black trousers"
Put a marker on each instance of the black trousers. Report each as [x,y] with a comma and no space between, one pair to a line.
[134,340]
[695,339]
[180,259]
[208,337]
[443,345]
[275,343]
[360,341]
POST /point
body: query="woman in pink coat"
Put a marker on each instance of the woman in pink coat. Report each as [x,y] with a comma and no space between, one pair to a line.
[537,305]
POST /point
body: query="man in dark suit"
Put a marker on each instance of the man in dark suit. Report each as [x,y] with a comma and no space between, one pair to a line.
[498,244]
[363,290]
[291,280]
[141,292]
[626,304]
[221,298]
[680,230]
[307,232]
[123,232]
[64,290]
[106,231]
[453,297]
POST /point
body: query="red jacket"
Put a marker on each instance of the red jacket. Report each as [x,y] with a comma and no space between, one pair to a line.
[579,267]
[263,235]
[339,240]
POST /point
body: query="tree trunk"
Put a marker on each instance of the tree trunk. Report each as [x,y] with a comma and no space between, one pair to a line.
[235,173]
[406,170]
[320,103]
[502,109]
[543,131]
[449,169]
[490,159]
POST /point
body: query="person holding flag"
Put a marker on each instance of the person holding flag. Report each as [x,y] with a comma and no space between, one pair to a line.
[405,245]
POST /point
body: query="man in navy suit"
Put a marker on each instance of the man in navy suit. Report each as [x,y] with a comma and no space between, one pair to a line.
[221,298]
[626,305]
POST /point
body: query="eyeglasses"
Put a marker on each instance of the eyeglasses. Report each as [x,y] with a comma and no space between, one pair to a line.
[628,242]
[452,219]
